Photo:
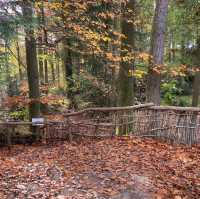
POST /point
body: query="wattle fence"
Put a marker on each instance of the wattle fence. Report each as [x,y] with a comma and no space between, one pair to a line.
[176,125]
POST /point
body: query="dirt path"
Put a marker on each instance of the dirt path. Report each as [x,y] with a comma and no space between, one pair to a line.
[121,168]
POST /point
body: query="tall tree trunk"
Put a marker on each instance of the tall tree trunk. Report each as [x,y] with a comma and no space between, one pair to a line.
[45,38]
[174,49]
[157,51]
[58,71]
[68,67]
[196,83]
[41,63]
[19,61]
[196,90]
[8,79]
[53,72]
[41,70]
[46,77]
[31,61]
[126,81]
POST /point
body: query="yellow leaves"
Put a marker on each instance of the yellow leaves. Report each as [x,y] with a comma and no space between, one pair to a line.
[106,39]
[55,5]
[137,73]
[128,58]
[106,15]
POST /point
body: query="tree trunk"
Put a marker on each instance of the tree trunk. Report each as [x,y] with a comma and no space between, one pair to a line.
[196,90]
[41,69]
[68,64]
[157,51]
[58,71]
[46,78]
[41,63]
[53,72]
[68,67]
[196,83]
[45,38]
[126,81]
[31,61]
[19,61]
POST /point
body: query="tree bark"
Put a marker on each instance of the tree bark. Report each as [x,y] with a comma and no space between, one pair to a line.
[157,51]
[196,83]
[53,72]
[46,77]
[126,81]
[19,62]
[196,90]
[58,71]
[41,63]
[31,61]
[45,38]
[68,67]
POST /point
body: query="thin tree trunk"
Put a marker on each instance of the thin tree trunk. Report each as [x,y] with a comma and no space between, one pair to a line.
[31,61]
[174,49]
[68,67]
[41,69]
[41,63]
[8,79]
[45,38]
[19,62]
[53,72]
[196,90]
[157,51]
[58,71]
[46,77]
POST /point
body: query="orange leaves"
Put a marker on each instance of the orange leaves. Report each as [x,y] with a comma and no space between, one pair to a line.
[173,71]
[158,69]
[21,101]
[112,58]
[15,101]
[55,117]
[51,99]
[144,56]
[23,88]
[118,167]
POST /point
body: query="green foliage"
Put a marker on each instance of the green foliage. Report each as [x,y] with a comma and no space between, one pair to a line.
[170,92]
[174,93]
[19,114]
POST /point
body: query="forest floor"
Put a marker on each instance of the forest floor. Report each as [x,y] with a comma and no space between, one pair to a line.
[118,168]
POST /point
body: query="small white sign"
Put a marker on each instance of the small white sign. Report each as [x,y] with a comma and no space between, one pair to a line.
[38,121]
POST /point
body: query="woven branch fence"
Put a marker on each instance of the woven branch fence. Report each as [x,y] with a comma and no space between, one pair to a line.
[172,124]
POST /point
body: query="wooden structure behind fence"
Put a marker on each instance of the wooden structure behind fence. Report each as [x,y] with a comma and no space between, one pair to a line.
[172,124]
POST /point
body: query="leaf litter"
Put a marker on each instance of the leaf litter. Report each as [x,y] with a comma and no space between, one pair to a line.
[118,168]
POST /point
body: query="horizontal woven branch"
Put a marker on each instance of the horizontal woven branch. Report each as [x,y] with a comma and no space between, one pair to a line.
[175,108]
[110,109]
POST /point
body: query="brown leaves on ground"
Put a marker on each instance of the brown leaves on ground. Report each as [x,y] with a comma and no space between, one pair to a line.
[119,168]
